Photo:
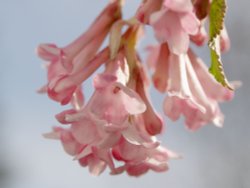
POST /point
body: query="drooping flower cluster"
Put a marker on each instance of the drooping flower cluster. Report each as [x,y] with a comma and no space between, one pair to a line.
[119,123]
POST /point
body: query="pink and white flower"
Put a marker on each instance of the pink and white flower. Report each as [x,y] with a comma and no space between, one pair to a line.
[65,64]
[192,91]
[119,122]
[114,115]
[174,23]
[139,159]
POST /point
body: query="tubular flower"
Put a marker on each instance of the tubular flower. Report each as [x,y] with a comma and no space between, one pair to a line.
[139,159]
[191,89]
[66,63]
[117,127]
[97,129]
[174,23]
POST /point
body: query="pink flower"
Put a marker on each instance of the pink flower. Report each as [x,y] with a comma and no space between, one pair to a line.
[174,23]
[98,125]
[192,91]
[152,121]
[132,145]
[157,60]
[212,88]
[99,117]
[97,129]
[116,127]
[67,63]
[96,159]
[205,108]
[139,159]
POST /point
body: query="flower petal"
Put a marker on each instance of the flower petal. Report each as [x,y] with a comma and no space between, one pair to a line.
[84,131]
[189,23]
[179,5]
[131,100]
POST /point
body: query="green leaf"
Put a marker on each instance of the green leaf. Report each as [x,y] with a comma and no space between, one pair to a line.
[217,15]
[216,69]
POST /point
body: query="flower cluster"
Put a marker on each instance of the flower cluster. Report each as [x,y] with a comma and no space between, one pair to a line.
[119,123]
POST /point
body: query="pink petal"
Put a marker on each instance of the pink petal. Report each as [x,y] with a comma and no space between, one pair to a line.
[96,166]
[137,169]
[160,75]
[131,100]
[69,143]
[168,28]
[212,113]
[156,165]
[52,135]
[88,52]
[84,73]
[179,5]
[104,80]
[133,136]
[178,80]
[178,39]
[86,151]
[77,100]
[64,95]
[61,117]
[160,26]
[42,90]
[105,155]
[189,23]
[172,107]
[153,55]
[105,104]
[48,52]
[130,152]
[212,88]
[178,83]
[160,154]
[85,131]
[153,122]
[109,140]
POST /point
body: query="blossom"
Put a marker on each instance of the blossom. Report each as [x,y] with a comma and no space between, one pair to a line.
[96,131]
[139,151]
[134,146]
[174,23]
[95,159]
[65,64]
[191,89]
[117,127]
[110,97]
[139,159]
[152,120]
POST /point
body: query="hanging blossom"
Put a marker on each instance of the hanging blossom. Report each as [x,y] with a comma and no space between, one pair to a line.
[119,122]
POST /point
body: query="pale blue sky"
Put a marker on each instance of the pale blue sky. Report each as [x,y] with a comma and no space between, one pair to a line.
[212,157]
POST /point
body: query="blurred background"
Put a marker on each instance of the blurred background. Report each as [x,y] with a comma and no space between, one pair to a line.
[212,157]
